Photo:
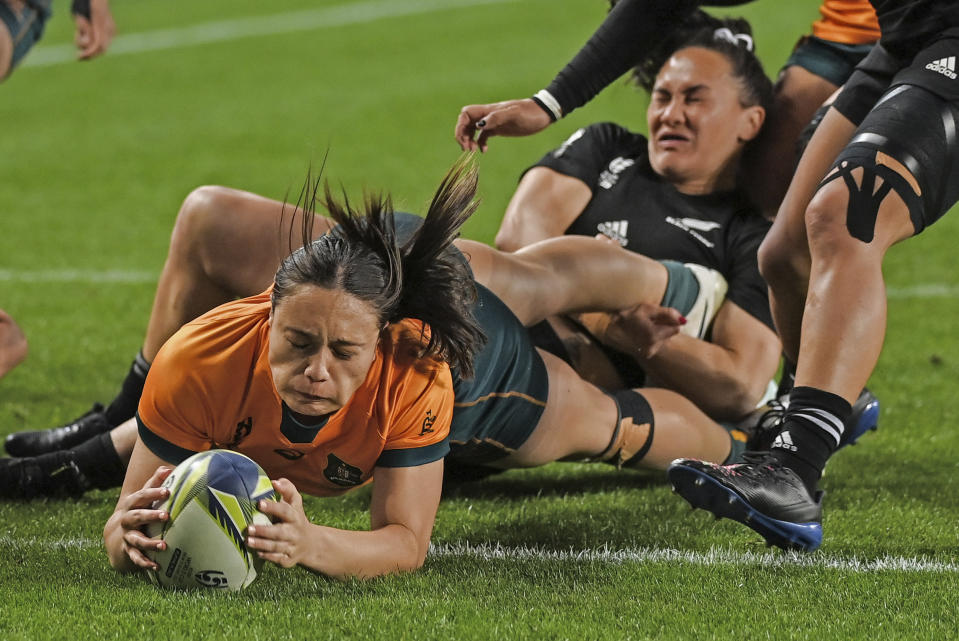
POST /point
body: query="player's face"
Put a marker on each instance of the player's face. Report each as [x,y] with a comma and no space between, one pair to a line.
[697,126]
[322,343]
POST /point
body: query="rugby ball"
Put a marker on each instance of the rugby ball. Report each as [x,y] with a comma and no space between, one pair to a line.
[213,498]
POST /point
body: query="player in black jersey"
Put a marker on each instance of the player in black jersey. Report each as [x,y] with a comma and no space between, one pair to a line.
[635,29]
[673,197]
[880,168]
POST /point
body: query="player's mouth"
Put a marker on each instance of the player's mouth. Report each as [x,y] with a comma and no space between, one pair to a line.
[671,140]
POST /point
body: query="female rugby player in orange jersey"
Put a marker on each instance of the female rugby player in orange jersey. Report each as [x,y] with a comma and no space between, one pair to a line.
[327,381]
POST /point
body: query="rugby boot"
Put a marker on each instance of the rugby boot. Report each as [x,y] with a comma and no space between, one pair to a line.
[764,423]
[36,442]
[51,475]
[761,493]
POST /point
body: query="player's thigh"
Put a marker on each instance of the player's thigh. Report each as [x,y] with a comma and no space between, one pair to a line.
[900,172]
[578,421]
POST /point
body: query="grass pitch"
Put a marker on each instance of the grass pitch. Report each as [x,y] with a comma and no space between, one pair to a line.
[96,158]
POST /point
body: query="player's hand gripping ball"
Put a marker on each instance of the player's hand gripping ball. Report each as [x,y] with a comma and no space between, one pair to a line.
[213,499]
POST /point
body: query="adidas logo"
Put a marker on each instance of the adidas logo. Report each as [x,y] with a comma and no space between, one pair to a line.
[615,229]
[945,66]
[784,441]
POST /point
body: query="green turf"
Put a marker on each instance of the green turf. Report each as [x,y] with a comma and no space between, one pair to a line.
[95,159]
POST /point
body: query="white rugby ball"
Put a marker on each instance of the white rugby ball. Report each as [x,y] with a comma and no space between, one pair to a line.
[213,498]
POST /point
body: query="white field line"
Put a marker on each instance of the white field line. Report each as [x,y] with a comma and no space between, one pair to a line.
[82,276]
[270,25]
[712,558]
[89,276]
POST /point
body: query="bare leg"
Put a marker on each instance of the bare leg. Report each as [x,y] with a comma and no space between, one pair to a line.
[845,315]
[124,437]
[566,274]
[580,419]
[13,344]
[226,244]
[784,254]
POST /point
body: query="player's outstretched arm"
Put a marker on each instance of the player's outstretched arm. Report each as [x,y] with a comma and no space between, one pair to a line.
[124,534]
[402,512]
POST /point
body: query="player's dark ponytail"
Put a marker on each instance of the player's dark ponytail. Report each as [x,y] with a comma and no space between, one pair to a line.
[426,278]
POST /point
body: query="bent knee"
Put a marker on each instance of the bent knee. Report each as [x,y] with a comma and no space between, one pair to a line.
[782,259]
[200,215]
[826,218]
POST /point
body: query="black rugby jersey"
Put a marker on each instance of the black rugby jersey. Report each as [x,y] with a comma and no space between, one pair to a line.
[646,214]
[909,25]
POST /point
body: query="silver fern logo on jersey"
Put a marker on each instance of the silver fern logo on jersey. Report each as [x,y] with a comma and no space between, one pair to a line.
[694,226]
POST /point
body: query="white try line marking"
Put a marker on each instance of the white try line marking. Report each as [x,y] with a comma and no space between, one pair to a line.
[91,276]
[82,276]
[713,557]
[228,30]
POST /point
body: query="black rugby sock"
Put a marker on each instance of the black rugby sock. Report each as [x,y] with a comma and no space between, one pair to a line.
[124,406]
[98,461]
[811,431]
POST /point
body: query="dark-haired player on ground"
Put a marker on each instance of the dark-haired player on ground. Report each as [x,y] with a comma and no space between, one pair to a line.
[882,166]
[674,196]
[375,355]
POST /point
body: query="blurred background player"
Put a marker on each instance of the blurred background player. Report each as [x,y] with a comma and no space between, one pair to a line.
[22,23]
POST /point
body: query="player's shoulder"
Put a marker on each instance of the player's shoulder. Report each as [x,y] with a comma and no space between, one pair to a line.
[229,329]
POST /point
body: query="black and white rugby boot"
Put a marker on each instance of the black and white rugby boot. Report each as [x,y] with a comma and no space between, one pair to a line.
[760,493]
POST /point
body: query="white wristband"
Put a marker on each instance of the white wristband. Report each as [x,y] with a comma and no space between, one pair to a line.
[550,102]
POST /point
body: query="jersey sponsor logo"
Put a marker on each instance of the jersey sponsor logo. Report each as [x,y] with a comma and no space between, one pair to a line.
[693,227]
[243,429]
[945,66]
[342,473]
[610,176]
[428,423]
[289,454]
[579,133]
[614,229]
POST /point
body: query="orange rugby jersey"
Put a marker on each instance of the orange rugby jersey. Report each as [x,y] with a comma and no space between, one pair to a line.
[851,22]
[211,387]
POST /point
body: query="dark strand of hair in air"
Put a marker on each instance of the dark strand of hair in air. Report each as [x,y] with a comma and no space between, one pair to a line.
[425,279]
